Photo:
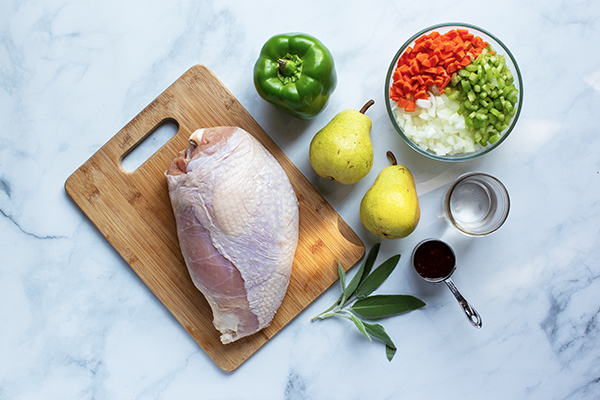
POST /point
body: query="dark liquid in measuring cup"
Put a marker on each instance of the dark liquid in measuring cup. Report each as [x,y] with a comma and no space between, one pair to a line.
[434,260]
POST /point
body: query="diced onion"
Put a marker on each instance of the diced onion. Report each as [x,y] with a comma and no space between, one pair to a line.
[436,126]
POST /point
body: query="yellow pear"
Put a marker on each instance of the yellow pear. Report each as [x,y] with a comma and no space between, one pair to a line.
[390,208]
[342,150]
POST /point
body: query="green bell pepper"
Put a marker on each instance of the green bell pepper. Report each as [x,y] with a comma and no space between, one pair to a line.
[295,72]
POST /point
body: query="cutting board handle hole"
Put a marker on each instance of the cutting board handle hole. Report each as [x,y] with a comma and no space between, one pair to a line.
[144,149]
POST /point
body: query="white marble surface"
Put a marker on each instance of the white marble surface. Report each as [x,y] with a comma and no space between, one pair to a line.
[77,323]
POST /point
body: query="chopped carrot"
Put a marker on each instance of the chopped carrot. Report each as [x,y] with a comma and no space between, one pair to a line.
[453,67]
[448,61]
[422,57]
[403,102]
[414,69]
[447,80]
[452,34]
[421,94]
[432,61]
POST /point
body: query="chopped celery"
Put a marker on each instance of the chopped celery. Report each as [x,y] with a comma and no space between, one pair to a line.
[454,95]
[512,95]
[466,86]
[503,102]
[473,78]
[481,117]
[488,96]
[471,67]
[484,138]
[463,73]
[454,79]
[509,77]
[501,83]
[471,96]
[472,106]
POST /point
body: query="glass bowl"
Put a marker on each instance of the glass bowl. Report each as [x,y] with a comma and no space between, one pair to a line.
[499,48]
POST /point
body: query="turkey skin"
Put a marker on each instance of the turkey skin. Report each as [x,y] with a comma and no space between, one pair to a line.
[237,223]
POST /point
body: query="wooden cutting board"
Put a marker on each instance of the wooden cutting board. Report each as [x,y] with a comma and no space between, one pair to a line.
[133,212]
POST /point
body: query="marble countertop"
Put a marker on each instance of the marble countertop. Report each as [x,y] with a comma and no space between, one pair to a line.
[77,323]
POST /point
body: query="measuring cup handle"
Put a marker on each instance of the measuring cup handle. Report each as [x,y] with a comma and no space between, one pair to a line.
[472,314]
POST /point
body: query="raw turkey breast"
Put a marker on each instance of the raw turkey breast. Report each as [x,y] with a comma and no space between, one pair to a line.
[237,223]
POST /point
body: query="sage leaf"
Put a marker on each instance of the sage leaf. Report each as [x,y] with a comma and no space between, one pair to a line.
[363,271]
[390,352]
[361,326]
[348,291]
[355,301]
[379,332]
[377,277]
[342,274]
[385,305]
[360,275]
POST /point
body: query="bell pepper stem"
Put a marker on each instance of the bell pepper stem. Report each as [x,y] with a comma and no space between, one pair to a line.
[289,68]
[286,67]
[366,106]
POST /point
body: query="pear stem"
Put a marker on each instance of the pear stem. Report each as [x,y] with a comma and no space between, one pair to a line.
[366,106]
[392,157]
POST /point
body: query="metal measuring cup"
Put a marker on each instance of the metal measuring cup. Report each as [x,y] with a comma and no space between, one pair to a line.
[435,261]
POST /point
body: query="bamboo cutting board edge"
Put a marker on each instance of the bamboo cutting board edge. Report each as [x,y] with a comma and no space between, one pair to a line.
[107,194]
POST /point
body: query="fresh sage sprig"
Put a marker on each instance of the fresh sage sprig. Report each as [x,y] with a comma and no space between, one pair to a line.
[356,302]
